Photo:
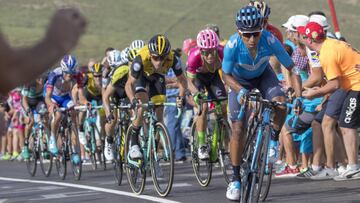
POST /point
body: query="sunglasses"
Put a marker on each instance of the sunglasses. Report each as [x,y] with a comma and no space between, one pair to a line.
[249,34]
[158,58]
[206,52]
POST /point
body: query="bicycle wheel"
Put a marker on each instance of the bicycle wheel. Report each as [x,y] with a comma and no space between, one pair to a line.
[76,167]
[63,155]
[136,175]
[162,161]
[45,157]
[202,168]
[257,175]
[118,155]
[224,151]
[90,133]
[31,163]
[266,172]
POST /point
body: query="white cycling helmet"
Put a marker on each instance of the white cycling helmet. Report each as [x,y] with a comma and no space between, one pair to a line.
[136,44]
[114,58]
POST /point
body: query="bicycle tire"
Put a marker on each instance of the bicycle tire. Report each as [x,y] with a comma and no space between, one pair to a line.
[134,173]
[45,157]
[158,169]
[31,163]
[61,158]
[76,167]
[267,171]
[92,151]
[205,180]
[224,155]
[118,164]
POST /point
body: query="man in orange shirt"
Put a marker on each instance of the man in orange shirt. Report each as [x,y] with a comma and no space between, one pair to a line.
[339,62]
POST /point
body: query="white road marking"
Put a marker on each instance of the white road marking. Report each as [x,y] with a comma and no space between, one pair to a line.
[66,195]
[3,200]
[31,189]
[111,191]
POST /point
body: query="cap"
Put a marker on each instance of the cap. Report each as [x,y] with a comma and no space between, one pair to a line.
[321,20]
[288,22]
[312,30]
[299,20]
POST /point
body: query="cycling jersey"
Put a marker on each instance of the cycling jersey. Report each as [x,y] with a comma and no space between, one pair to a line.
[118,80]
[338,60]
[275,31]
[89,85]
[142,64]
[195,63]
[56,83]
[239,62]
[31,92]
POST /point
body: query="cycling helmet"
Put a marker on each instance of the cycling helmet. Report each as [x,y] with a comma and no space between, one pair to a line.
[97,68]
[159,45]
[138,44]
[262,7]
[114,58]
[68,64]
[249,18]
[213,27]
[133,53]
[124,55]
[207,39]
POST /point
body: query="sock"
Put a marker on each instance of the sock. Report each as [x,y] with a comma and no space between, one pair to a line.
[292,166]
[316,168]
[352,166]
[201,137]
[236,173]
[110,139]
[134,136]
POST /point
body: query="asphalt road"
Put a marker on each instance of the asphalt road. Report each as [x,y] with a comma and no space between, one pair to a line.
[99,186]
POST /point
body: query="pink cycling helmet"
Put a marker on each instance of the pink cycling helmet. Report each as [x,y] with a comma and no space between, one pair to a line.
[207,39]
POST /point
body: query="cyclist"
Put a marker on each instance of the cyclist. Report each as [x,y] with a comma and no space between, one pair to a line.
[203,64]
[32,97]
[91,92]
[115,58]
[216,29]
[246,66]
[114,92]
[57,94]
[136,44]
[148,69]
[338,60]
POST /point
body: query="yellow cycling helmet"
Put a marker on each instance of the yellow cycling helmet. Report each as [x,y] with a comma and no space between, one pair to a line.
[133,53]
[96,69]
[159,45]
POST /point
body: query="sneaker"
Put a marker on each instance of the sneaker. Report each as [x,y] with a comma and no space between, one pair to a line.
[181,160]
[273,151]
[25,152]
[287,172]
[20,157]
[233,191]
[14,156]
[348,174]
[6,157]
[75,158]
[109,154]
[203,153]
[325,174]
[341,169]
[52,146]
[306,173]
[135,152]
[82,138]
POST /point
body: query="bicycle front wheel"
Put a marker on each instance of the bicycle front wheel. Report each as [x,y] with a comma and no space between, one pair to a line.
[224,151]
[31,163]
[136,174]
[46,158]
[119,154]
[267,169]
[162,161]
[62,157]
[202,168]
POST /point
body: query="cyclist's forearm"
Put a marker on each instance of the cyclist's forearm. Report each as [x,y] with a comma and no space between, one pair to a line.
[231,82]
[182,85]
[296,82]
[25,103]
[192,86]
[129,89]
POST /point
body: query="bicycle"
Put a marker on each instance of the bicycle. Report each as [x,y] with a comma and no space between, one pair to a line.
[216,141]
[255,164]
[156,147]
[65,150]
[90,130]
[38,140]
[122,124]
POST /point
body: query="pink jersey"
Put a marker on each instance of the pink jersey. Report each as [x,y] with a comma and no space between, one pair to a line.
[195,64]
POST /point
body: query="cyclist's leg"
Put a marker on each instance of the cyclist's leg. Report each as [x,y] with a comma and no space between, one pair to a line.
[54,125]
[109,132]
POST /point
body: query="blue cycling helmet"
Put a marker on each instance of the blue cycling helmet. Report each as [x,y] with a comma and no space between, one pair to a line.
[249,18]
[68,64]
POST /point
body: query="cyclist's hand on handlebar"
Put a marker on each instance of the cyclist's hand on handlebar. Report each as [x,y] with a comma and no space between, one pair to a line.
[241,95]
[198,96]
[134,103]
[180,102]
[298,105]
[110,118]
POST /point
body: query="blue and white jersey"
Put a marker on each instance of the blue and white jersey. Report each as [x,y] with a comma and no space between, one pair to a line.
[56,82]
[239,62]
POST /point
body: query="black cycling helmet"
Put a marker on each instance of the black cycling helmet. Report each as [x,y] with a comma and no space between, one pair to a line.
[159,45]
[249,18]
